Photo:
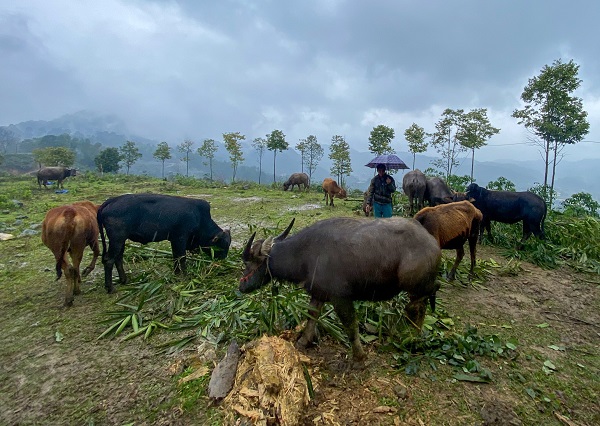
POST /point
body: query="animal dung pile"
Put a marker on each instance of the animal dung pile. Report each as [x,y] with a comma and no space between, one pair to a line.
[270,387]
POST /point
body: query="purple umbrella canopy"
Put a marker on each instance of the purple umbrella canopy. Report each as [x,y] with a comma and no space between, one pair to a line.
[391,161]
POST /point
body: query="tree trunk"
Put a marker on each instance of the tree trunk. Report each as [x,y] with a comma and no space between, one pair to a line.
[259,168]
[472,162]
[553,172]
[163,169]
[274,156]
[547,165]
[414,155]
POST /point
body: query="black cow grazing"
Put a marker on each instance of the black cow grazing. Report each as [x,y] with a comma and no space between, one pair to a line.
[451,225]
[344,259]
[145,218]
[509,207]
[414,184]
[54,173]
[438,192]
[296,179]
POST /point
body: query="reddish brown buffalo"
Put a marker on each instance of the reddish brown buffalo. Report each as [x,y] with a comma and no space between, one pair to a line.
[332,189]
[70,229]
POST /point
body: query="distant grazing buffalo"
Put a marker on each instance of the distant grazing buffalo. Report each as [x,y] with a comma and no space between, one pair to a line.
[145,218]
[509,207]
[341,260]
[296,179]
[54,173]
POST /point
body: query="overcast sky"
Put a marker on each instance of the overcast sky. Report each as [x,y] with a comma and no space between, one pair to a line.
[196,69]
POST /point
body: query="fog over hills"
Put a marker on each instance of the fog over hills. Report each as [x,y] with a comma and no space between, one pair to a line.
[111,131]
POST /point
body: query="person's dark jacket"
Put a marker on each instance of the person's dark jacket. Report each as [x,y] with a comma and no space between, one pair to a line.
[381,192]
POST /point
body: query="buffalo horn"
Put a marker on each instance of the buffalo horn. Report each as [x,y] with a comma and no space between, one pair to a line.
[265,248]
[285,233]
[246,253]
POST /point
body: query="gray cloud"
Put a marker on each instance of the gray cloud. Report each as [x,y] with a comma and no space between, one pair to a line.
[187,69]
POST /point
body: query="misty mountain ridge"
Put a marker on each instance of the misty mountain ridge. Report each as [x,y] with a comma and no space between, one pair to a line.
[111,131]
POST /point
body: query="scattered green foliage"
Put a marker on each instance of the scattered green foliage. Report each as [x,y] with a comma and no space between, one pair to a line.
[439,346]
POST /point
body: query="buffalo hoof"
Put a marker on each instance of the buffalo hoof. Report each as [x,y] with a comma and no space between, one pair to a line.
[110,290]
[69,302]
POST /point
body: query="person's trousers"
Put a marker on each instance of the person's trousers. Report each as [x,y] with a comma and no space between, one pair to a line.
[382,210]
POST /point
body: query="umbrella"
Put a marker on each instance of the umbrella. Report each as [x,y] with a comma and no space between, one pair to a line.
[391,161]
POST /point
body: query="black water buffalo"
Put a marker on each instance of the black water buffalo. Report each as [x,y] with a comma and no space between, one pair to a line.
[145,218]
[54,173]
[341,260]
[414,184]
[438,192]
[296,179]
[509,207]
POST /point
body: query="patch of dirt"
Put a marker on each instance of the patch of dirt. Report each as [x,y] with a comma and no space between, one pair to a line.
[305,207]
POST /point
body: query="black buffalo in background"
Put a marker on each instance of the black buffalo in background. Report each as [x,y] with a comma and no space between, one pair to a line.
[54,173]
[296,179]
[509,207]
[145,218]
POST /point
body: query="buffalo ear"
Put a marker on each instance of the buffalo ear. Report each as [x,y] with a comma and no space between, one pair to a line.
[285,233]
[246,253]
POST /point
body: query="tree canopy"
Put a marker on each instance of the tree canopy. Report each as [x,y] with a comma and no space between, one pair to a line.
[108,160]
[276,142]
[162,153]
[129,154]
[339,154]
[553,115]
[415,136]
[207,150]
[234,147]
[186,148]
[260,145]
[54,156]
[474,130]
[380,140]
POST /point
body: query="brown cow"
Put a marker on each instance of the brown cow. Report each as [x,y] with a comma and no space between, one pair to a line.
[452,224]
[70,229]
[332,189]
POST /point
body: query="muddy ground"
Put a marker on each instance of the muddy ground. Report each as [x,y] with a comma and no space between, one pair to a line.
[55,371]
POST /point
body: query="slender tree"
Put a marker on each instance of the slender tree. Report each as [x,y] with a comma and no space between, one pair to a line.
[301,146]
[415,136]
[260,145]
[552,114]
[380,140]
[186,149]
[162,153]
[339,153]
[314,153]
[207,150]
[276,142]
[129,154]
[474,131]
[234,147]
[445,142]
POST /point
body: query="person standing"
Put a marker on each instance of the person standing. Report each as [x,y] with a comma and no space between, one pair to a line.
[379,198]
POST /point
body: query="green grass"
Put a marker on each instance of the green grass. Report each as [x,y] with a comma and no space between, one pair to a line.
[174,313]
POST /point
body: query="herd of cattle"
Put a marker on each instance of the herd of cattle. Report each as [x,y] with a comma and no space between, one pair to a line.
[338,260]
